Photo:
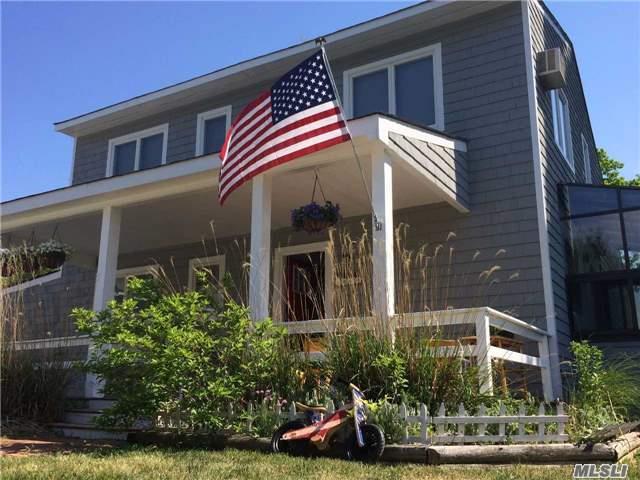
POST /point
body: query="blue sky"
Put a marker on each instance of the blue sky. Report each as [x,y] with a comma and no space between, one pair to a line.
[64,59]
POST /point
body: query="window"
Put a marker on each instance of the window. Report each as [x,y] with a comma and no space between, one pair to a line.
[212,267]
[603,226]
[407,85]
[562,125]
[138,151]
[586,159]
[123,276]
[211,130]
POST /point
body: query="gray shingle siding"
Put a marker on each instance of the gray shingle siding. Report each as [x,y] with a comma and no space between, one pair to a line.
[485,102]
[555,169]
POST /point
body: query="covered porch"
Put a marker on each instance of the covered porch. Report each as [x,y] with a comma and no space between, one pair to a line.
[170,216]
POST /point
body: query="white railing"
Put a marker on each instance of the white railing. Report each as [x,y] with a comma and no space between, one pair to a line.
[462,428]
[480,319]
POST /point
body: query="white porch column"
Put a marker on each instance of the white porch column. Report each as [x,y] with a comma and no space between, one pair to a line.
[259,272]
[105,277]
[383,241]
[483,354]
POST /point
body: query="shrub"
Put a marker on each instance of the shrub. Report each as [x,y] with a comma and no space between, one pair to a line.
[156,350]
[600,394]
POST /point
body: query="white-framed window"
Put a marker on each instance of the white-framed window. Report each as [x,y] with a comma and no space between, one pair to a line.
[138,150]
[124,274]
[213,267]
[562,125]
[211,130]
[586,159]
[408,85]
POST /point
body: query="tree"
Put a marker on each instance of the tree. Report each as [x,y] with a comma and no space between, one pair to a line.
[611,175]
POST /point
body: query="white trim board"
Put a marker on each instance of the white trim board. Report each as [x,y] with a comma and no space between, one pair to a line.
[219,260]
[278,275]
[49,277]
[543,234]
[208,115]
[434,51]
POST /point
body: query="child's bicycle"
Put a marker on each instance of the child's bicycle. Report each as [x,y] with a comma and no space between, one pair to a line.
[346,430]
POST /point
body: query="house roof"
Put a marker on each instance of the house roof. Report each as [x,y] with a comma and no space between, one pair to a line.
[264,68]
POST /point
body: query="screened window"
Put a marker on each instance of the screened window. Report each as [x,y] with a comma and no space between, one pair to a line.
[137,151]
[211,130]
[371,93]
[407,85]
[123,276]
[561,124]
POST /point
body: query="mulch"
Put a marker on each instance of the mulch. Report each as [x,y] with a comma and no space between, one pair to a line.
[49,443]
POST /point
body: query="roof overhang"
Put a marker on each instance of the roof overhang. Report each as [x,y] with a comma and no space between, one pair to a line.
[264,69]
[202,173]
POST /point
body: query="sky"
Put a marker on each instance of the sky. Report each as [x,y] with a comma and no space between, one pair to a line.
[60,60]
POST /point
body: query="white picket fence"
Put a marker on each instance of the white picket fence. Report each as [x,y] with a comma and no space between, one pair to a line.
[419,427]
[462,428]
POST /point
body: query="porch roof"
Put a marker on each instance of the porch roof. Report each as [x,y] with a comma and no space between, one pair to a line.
[174,197]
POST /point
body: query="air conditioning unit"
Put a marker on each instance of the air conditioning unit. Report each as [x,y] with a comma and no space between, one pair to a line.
[551,69]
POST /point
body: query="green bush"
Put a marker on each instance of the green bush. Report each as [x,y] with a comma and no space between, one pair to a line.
[600,394]
[158,351]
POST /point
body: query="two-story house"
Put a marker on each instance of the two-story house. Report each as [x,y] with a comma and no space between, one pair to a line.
[456,130]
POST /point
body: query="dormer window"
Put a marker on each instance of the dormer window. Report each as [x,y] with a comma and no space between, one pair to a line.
[212,129]
[407,85]
[138,151]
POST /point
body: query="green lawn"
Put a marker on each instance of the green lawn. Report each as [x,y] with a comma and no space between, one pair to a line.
[156,464]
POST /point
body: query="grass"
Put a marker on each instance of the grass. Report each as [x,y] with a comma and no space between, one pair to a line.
[149,463]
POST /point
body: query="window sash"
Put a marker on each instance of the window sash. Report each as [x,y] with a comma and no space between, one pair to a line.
[586,160]
[136,137]
[390,64]
[201,123]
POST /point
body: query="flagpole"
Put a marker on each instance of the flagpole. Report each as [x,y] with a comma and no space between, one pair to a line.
[320,41]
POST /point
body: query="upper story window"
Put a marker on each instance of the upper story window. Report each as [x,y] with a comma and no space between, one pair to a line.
[586,159]
[407,85]
[138,151]
[562,125]
[211,130]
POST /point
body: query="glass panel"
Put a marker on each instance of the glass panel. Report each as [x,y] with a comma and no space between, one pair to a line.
[632,230]
[151,151]
[124,158]
[630,197]
[214,131]
[602,306]
[371,93]
[414,91]
[596,244]
[121,284]
[584,200]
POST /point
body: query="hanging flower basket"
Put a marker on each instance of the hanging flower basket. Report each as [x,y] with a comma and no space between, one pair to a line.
[52,254]
[314,218]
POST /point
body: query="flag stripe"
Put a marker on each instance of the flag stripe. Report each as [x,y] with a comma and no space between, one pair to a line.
[319,119]
[286,158]
[298,135]
[299,115]
[307,145]
[284,123]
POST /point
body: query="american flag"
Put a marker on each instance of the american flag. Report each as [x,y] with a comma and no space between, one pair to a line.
[298,116]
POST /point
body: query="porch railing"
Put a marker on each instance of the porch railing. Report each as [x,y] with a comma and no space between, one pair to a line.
[480,319]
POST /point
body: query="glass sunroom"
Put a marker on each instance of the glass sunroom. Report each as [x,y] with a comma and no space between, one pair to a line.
[603,244]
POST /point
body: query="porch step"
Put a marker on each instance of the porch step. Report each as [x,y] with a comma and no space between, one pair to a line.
[87,432]
[82,417]
[89,403]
